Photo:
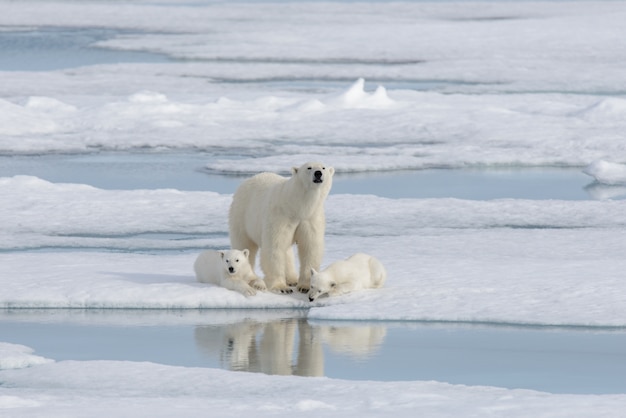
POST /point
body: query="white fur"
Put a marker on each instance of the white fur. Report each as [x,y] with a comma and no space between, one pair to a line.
[272,213]
[230,269]
[360,271]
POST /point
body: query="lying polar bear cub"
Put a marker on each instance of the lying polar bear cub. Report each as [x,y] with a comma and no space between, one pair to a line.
[360,271]
[230,269]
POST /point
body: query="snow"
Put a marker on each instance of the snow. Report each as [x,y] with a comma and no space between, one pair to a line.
[367,131]
[364,87]
[140,389]
[380,86]
[514,261]
[606,172]
[14,356]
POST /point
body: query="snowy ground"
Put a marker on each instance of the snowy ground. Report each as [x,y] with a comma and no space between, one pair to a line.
[124,389]
[520,261]
[265,87]
[511,83]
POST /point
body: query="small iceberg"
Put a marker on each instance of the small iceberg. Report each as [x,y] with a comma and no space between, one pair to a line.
[606,172]
[357,98]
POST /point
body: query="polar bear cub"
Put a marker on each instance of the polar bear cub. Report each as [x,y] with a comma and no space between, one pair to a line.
[359,271]
[230,269]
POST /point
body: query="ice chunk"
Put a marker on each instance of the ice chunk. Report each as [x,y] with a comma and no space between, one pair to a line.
[357,98]
[606,172]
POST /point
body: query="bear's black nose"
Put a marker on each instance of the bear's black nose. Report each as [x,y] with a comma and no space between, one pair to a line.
[311,299]
[231,269]
[318,174]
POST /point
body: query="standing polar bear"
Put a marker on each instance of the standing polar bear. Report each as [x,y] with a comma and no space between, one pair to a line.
[360,271]
[272,213]
[229,269]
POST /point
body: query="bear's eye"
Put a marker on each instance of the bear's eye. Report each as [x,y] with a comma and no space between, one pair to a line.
[237,260]
[309,168]
[323,168]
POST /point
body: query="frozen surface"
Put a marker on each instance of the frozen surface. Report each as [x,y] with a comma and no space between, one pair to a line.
[518,261]
[68,388]
[262,87]
[368,132]
[607,173]
[14,356]
[371,86]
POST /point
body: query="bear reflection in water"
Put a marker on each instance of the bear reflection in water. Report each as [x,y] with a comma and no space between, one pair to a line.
[268,347]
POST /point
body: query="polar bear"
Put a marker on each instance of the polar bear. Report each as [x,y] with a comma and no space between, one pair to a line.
[359,271]
[230,269]
[274,212]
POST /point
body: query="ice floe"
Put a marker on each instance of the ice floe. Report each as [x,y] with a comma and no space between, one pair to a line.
[15,356]
[607,173]
[515,261]
[102,388]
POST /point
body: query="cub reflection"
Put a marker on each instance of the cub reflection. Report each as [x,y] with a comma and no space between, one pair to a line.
[269,347]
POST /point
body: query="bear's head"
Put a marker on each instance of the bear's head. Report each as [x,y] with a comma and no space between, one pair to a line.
[314,174]
[235,260]
[321,284]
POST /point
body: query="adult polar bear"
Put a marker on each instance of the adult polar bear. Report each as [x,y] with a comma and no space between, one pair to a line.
[274,212]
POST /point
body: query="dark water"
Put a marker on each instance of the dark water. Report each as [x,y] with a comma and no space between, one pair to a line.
[557,360]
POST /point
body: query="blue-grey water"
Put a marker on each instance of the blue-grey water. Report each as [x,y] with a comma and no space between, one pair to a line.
[57,48]
[185,171]
[557,360]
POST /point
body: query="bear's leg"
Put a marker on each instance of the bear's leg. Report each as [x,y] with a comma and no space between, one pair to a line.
[310,242]
[273,261]
[238,286]
[256,282]
[253,248]
[378,273]
[291,275]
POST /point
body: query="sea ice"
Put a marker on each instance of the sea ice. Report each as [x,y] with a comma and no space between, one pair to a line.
[514,84]
[105,388]
[606,172]
[515,261]
[14,356]
[507,99]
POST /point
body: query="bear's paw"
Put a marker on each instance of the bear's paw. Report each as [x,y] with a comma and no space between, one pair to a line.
[258,284]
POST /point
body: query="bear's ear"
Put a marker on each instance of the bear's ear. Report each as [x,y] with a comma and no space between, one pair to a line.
[221,254]
[246,252]
[333,284]
[313,272]
[331,170]
[294,170]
